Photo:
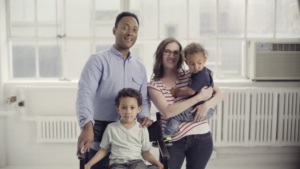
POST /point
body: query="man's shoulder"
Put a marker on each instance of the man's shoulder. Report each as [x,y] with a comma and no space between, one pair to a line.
[102,53]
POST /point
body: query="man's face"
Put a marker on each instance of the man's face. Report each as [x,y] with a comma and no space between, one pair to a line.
[126,33]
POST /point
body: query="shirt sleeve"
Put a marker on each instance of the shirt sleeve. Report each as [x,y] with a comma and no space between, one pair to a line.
[106,138]
[146,146]
[87,86]
[145,112]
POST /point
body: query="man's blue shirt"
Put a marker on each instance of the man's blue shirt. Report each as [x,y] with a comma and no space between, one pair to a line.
[103,76]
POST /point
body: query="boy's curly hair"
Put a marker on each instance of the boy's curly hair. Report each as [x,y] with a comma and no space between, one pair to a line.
[129,92]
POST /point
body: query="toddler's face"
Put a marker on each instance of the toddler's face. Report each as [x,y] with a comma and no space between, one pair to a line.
[195,61]
[128,109]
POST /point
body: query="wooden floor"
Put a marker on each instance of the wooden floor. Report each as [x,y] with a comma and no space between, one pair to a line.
[230,158]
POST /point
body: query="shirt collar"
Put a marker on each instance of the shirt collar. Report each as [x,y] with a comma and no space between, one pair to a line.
[119,54]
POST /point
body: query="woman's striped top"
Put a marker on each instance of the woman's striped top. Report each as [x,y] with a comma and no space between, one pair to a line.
[186,128]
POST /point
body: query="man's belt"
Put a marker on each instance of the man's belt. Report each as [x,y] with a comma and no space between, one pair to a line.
[99,128]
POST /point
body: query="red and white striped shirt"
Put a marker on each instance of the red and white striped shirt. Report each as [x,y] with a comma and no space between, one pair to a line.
[185,128]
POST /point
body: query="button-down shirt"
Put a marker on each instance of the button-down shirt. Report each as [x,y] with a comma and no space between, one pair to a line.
[103,76]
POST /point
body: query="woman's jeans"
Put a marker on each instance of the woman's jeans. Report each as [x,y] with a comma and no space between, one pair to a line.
[172,125]
[197,150]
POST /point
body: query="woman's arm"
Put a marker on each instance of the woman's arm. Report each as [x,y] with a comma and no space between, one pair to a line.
[172,110]
[202,109]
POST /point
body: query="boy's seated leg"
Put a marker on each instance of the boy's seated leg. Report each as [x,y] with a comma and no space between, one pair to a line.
[117,166]
[152,167]
[209,114]
[137,164]
[102,164]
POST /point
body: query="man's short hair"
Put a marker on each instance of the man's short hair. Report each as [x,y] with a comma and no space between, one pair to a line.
[123,14]
[129,92]
[194,48]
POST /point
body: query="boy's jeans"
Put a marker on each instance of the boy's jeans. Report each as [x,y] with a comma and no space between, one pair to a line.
[173,123]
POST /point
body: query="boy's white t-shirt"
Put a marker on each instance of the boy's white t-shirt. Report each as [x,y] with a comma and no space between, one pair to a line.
[125,144]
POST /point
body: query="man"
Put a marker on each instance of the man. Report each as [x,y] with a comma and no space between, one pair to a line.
[104,74]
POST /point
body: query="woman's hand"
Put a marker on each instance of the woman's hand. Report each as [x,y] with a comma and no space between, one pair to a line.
[205,93]
[201,113]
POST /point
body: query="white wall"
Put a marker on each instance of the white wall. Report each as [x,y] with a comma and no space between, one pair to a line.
[3,78]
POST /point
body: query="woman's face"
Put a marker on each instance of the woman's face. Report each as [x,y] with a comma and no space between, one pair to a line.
[171,56]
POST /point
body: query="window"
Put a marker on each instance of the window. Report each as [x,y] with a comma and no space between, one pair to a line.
[52,39]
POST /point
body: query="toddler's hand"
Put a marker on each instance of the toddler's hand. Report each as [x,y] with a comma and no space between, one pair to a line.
[174,91]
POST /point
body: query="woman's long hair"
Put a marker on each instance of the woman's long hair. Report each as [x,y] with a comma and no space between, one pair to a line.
[158,68]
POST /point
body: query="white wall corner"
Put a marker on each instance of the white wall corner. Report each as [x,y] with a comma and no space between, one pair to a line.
[3,78]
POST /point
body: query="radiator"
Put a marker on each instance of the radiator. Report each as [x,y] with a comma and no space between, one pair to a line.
[57,129]
[247,117]
[257,117]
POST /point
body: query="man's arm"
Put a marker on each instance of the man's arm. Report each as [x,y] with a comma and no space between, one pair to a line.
[144,117]
[151,159]
[87,86]
[98,156]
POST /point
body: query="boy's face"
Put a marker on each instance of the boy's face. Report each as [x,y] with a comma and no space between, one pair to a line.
[195,62]
[128,109]
[126,33]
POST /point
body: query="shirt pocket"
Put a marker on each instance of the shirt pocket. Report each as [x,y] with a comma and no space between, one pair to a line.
[137,83]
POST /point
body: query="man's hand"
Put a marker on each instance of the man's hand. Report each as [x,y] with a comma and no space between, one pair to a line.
[85,138]
[145,122]
[201,113]
[174,91]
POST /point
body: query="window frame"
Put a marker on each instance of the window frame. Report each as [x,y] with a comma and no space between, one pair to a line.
[125,6]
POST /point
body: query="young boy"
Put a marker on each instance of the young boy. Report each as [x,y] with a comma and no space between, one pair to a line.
[201,76]
[129,143]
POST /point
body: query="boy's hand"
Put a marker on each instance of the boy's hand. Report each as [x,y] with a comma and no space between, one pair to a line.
[87,166]
[174,91]
[160,166]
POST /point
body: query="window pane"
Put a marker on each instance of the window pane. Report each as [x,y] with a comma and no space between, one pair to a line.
[260,18]
[210,47]
[172,17]
[105,16]
[230,58]
[23,59]
[146,10]
[288,19]
[231,18]
[202,18]
[22,17]
[77,53]
[79,17]
[49,59]
[49,17]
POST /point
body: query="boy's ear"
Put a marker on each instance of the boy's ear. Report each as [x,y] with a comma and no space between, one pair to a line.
[139,109]
[118,109]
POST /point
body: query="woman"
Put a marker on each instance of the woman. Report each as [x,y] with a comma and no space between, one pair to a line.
[194,141]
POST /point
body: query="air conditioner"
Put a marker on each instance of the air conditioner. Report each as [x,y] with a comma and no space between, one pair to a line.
[274,61]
